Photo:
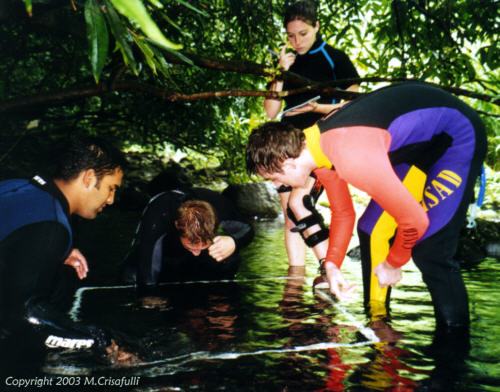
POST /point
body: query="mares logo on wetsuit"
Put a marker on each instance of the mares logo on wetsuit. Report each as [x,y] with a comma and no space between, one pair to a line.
[59,342]
[437,191]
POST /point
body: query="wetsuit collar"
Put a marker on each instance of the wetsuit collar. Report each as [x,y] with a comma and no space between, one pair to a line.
[49,186]
[312,137]
[318,44]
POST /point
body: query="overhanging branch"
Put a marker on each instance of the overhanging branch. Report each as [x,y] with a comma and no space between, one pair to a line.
[77,93]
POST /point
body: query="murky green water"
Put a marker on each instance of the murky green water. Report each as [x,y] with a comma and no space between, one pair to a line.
[267,331]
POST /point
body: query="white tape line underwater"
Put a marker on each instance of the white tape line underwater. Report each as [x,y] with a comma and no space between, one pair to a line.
[75,309]
[205,355]
[366,331]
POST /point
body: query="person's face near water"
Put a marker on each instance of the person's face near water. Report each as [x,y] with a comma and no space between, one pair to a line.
[194,248]
[293,174]
[301,35]
[99,194]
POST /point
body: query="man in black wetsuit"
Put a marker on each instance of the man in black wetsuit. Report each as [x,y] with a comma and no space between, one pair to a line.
[177,239]
[37,262]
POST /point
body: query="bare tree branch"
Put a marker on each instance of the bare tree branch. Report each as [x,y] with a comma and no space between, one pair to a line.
[65,96]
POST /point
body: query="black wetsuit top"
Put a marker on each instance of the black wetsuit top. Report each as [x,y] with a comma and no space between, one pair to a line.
[35,239]
[157,254]
[321,63]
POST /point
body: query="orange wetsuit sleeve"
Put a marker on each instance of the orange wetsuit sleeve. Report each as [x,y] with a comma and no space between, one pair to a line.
[342,214]
[359,155]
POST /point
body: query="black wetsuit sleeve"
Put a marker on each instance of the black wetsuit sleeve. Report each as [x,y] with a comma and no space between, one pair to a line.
[35,284]
[241,231]
[146,256]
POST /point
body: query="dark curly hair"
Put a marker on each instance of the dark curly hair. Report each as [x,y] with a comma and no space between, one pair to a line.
[85,153]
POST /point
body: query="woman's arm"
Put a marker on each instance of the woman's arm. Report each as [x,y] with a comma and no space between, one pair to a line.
[273,106]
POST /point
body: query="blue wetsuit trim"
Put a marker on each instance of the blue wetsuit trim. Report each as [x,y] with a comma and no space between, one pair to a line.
[328,58]
[482,187]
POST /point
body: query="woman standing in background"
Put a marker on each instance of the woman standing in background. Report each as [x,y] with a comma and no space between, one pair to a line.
[316,60]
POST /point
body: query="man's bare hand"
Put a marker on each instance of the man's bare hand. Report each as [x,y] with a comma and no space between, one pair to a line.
[387,274]
[76,260]
[337,283]
[223,247]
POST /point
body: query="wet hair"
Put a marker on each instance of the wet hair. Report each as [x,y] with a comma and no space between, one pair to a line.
[86,153]
[197,221]
[270,144]
[302,10]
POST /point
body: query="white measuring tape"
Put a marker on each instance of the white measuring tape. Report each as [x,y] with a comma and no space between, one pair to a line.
[367,332]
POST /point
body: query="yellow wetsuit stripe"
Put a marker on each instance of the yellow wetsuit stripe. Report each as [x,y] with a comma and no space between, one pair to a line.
[383,231]
[312,138]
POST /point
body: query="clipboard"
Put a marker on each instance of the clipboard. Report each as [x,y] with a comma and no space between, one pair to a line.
[298,106]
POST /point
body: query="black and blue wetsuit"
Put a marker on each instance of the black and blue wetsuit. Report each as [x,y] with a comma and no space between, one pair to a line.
[157,254]
[35,285]
[321,63]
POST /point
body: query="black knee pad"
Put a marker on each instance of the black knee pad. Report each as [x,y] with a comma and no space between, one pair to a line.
[284,189]
[303,224]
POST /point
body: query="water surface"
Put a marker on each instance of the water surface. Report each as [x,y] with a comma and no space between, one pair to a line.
[268,331]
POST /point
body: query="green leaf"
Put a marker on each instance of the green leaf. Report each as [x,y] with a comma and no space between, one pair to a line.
[176,53]
[160,62]
[122,36]
[156,3]
[148,53]
[97,36]
[136,11]
[186,4]
[29,7]
[172,22]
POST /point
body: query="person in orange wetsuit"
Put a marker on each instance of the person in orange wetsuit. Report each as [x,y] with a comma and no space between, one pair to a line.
[417,151]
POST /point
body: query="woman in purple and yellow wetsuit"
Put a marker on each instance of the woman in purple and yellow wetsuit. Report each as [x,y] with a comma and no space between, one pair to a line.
[417,151]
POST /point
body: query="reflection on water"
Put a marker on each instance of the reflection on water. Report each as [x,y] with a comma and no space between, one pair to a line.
[268,331]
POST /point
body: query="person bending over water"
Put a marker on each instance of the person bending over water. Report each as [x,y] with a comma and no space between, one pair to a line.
[177,239]
[417,151]
[37,261]
[314,59]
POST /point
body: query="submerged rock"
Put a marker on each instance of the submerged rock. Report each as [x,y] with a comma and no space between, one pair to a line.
[477,243]
[174,176]
[493,249]
[258,199]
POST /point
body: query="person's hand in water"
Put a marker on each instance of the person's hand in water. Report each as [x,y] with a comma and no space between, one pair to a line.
[222,247]
[153,302]
[118,356]
[387,274]
[76,260]
[337,283]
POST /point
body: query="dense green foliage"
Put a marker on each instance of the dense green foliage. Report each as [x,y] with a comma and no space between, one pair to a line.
[52,60]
